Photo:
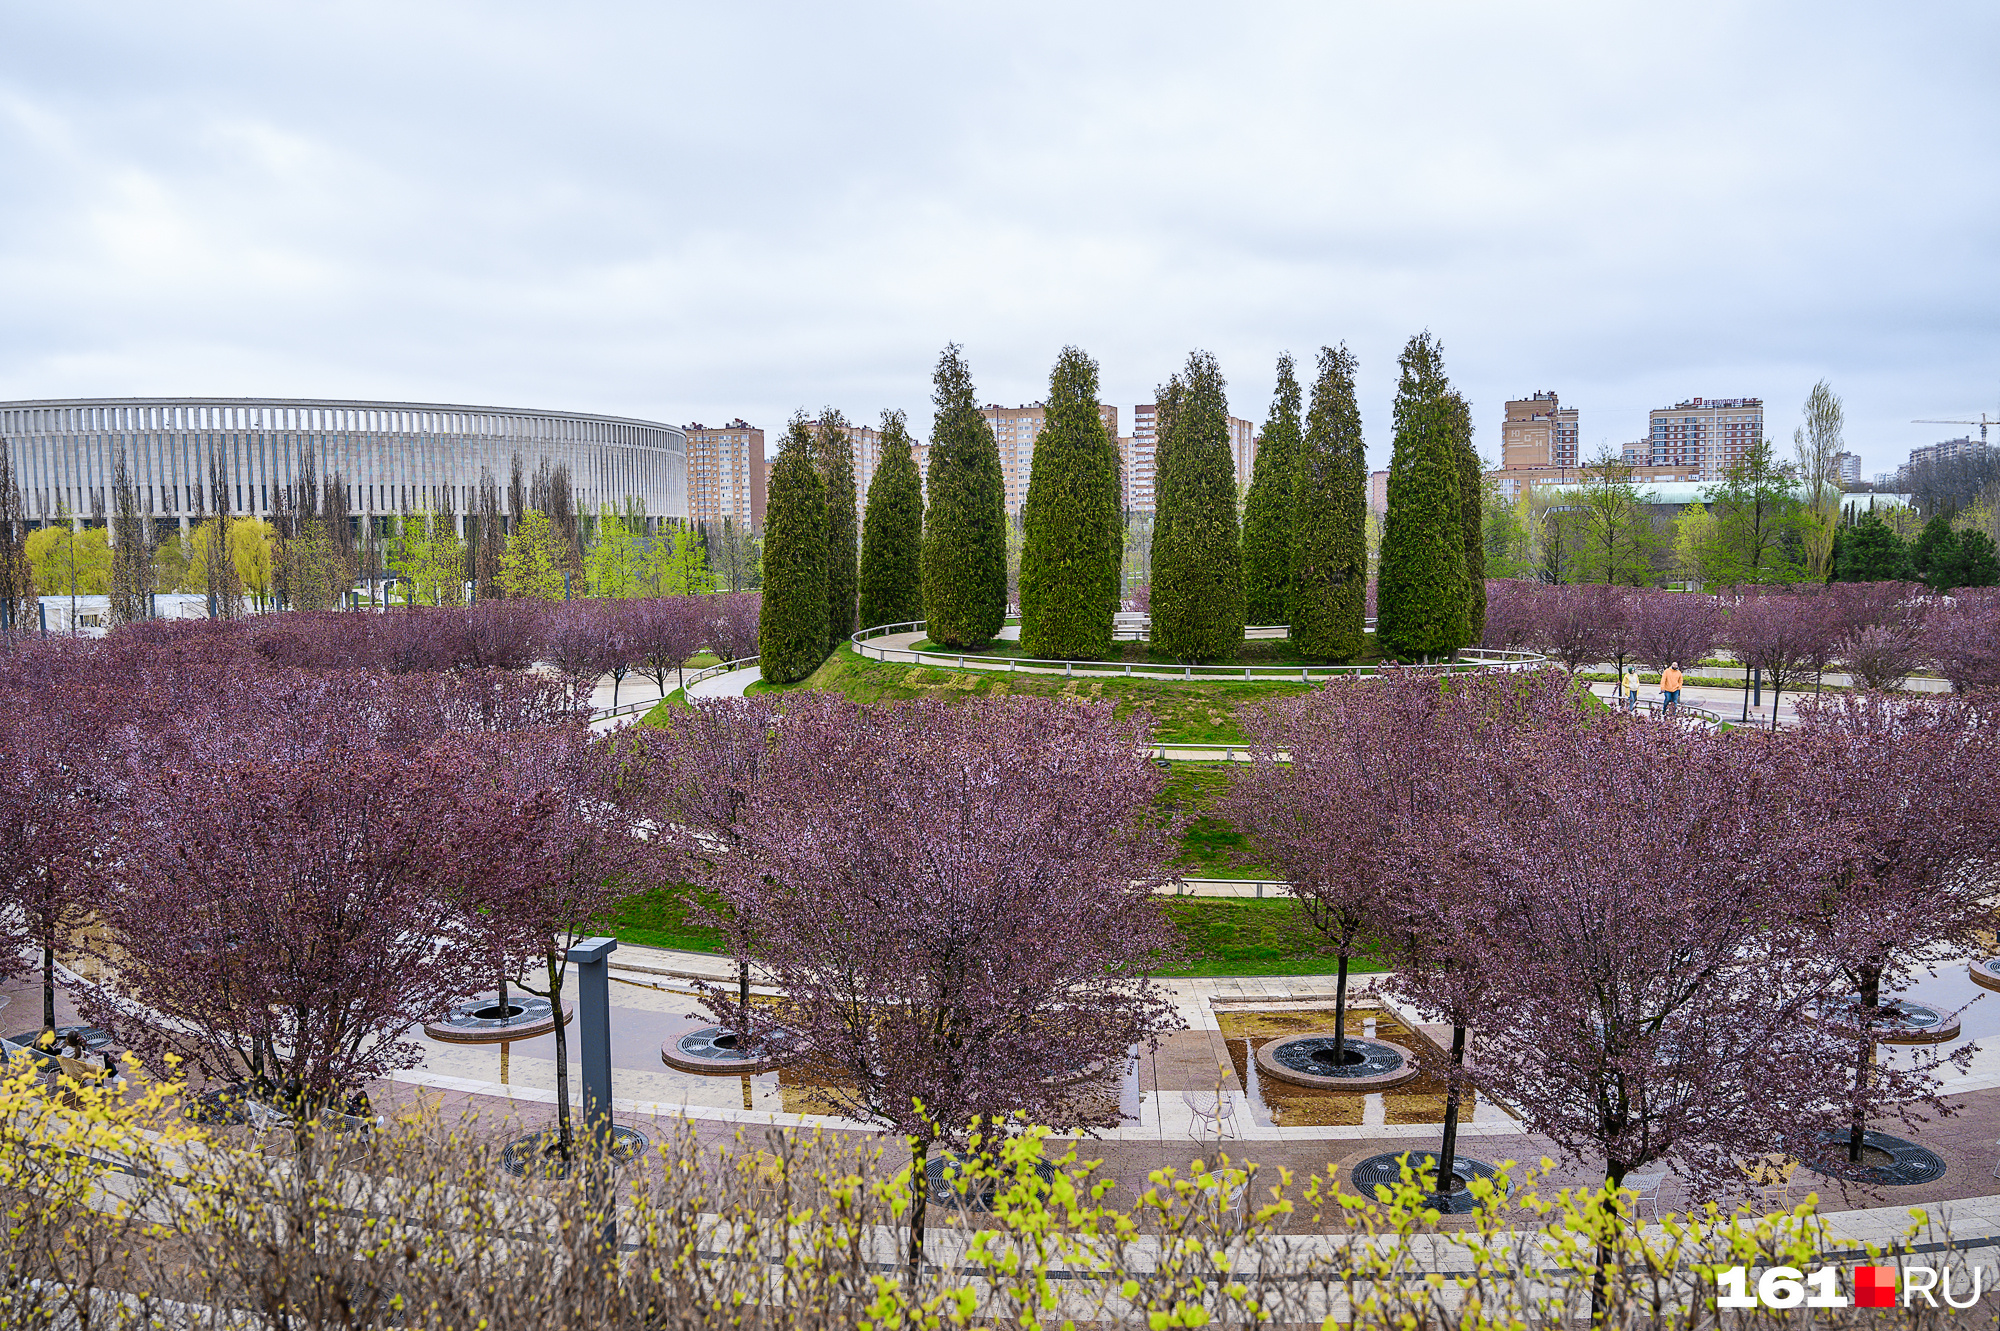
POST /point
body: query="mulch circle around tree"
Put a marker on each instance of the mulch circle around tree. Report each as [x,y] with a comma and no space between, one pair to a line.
[1903,1020]
[1986,972]
[718,1050]
[1307,1060]
[945,1192]
[533,1156]
[1907,1162]
[1387,1170]
[481,1020]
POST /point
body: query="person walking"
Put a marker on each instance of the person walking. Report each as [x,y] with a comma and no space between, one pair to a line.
[1630,684]
[1670,689]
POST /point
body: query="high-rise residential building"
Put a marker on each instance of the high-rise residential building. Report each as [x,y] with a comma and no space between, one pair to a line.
[1539,432]
[726,473]
[1138,452]
[1015,429]
[1950,450]
[1705,435]
[1850,469]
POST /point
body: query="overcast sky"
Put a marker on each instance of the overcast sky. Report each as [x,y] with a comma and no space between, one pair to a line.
[694,212]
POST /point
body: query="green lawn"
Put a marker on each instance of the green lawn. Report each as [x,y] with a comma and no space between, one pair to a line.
[1184,712]
[1254,652]
[1210,847]
[1247,936]
[1221,936]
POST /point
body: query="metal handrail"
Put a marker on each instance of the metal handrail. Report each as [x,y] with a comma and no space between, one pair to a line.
[706,672]
[1484,659]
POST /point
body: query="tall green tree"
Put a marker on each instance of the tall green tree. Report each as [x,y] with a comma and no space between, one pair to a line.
[1471,514]
[1758,516]
[1268,511]
[1612,523]
[965,528]
[1197,549]
[791,630]
[1073,529]
[532,567]
[617,557]
[1330,517]
[833,449]
[1420,598]
[892,534]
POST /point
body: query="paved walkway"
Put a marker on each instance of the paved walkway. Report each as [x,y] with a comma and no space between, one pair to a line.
[1166,1132]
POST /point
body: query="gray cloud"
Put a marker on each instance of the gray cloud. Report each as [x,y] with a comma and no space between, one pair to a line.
[693,212]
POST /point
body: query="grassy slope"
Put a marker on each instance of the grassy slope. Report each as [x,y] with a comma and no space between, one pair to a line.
[1200,712]
[1255,652]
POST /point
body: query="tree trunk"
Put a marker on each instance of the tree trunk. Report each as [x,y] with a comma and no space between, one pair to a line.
[1600,1283]
[564,1141]
[1871,999]
[49,987]
[1340,1013]
[743,999]
[1448,1150]
[1776,690]
[920,1196]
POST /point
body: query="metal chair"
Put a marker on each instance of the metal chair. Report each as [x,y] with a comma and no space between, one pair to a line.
[1211,1107]
[1647,1186]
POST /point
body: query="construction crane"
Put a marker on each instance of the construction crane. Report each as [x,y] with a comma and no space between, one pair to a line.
[1982,423]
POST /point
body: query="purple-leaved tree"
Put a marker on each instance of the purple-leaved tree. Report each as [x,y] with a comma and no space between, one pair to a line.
[1909,784]
[1620,910]
[284,919]
[956,904]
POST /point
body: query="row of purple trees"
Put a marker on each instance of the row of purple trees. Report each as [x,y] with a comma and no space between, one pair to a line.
[586,640]
[1879,633]
[284,872]
[1651,932]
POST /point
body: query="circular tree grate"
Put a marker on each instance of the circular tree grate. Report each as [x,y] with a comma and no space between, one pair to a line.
[534,1156]
[1908,1162]
[1386,1170]
[484,1021]
[1308,1060]
[945,1191]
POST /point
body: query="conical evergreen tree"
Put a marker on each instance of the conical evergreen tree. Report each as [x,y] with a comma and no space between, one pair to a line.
[1268,510]
[892,533]
[1420,592]
[1197,551]
[1330,518]
[1072,523]
[833,450]
[965,527]
[1471,516]
[791,629]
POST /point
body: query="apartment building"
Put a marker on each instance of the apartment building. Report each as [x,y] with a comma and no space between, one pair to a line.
[1378,493]
[1539,431]
[1705,435]
[1849,465]
[725,473]
[1015,429]
[1138,452]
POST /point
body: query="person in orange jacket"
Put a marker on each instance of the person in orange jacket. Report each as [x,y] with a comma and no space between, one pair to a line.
[1670,688]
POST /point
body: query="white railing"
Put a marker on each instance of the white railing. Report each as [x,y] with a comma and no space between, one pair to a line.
[687,681]
[1473,658]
